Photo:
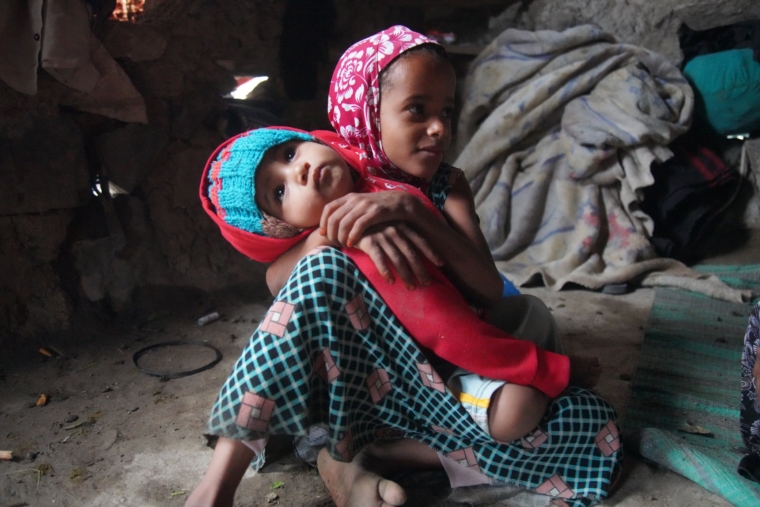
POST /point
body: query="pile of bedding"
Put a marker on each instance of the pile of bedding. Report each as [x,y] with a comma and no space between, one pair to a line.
[557,136]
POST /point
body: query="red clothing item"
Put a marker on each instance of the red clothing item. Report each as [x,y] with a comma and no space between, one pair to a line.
[437,316]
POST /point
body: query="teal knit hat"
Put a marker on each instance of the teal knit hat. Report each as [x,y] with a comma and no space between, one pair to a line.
[232,175]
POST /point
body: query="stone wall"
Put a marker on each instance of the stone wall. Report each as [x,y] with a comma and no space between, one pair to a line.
[653,25]
[66,243]
[63,244]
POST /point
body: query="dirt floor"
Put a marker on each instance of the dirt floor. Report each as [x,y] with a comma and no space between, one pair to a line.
[110,434]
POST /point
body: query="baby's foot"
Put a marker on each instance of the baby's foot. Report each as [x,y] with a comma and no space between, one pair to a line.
[353,485]
[585,371]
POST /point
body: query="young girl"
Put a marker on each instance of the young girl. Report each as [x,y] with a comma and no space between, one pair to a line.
[392,96]
[295,177]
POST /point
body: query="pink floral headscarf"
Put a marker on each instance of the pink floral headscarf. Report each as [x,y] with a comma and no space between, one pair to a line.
[353,104]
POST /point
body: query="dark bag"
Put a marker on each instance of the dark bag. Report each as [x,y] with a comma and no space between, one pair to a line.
[690,189]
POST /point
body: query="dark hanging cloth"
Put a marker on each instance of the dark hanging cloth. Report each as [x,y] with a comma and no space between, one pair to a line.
[745,34]
[690,189]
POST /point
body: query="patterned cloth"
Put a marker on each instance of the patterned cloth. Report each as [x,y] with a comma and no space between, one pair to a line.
[556,136]
[330,351]
[750,411]
[439,187]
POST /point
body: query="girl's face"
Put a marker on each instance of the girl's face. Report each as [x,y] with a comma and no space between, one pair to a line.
[295,181]
[416,105]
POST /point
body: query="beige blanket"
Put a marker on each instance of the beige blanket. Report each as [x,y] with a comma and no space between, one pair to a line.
[557,135]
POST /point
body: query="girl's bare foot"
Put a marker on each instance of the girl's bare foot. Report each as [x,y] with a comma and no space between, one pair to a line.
[585,371]
[355,485]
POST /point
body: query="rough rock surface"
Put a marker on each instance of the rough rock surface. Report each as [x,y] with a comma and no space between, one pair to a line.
[31,295]
[44,168]
[653,25]
[64,246]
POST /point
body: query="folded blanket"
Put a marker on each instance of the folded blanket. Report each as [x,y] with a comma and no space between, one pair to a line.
[557,135]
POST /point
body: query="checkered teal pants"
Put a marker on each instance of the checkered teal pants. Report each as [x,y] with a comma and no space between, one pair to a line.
[330,351]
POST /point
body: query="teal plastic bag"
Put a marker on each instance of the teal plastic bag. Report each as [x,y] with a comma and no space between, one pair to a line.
[727,90]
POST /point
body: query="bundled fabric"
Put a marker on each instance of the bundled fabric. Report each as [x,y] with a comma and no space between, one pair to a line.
[727,88]
[723,66]
[557,134]
[691,189]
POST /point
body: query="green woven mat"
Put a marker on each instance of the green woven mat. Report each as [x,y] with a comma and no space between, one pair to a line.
[689,372]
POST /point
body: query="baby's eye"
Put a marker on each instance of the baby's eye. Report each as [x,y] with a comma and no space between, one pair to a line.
[448,112]
[279,193]
[289,154]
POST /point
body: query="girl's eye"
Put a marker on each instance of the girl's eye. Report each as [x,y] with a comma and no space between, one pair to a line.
[448,112]
[279,193]
[289,154]
[415,109]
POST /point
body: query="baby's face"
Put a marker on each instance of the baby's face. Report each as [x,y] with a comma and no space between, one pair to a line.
[416,106]
[296,180]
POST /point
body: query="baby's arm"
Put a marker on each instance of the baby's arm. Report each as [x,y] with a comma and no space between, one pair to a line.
[281,269]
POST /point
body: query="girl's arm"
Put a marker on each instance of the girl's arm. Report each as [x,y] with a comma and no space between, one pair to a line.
[345,221]
[397,245]
[459,211]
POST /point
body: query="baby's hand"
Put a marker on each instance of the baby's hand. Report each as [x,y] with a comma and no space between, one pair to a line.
[585,371]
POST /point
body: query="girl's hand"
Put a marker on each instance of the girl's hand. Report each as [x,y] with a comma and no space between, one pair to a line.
[399,246]
[345,220]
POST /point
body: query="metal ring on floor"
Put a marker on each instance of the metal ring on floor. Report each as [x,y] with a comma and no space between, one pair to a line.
[164,374]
